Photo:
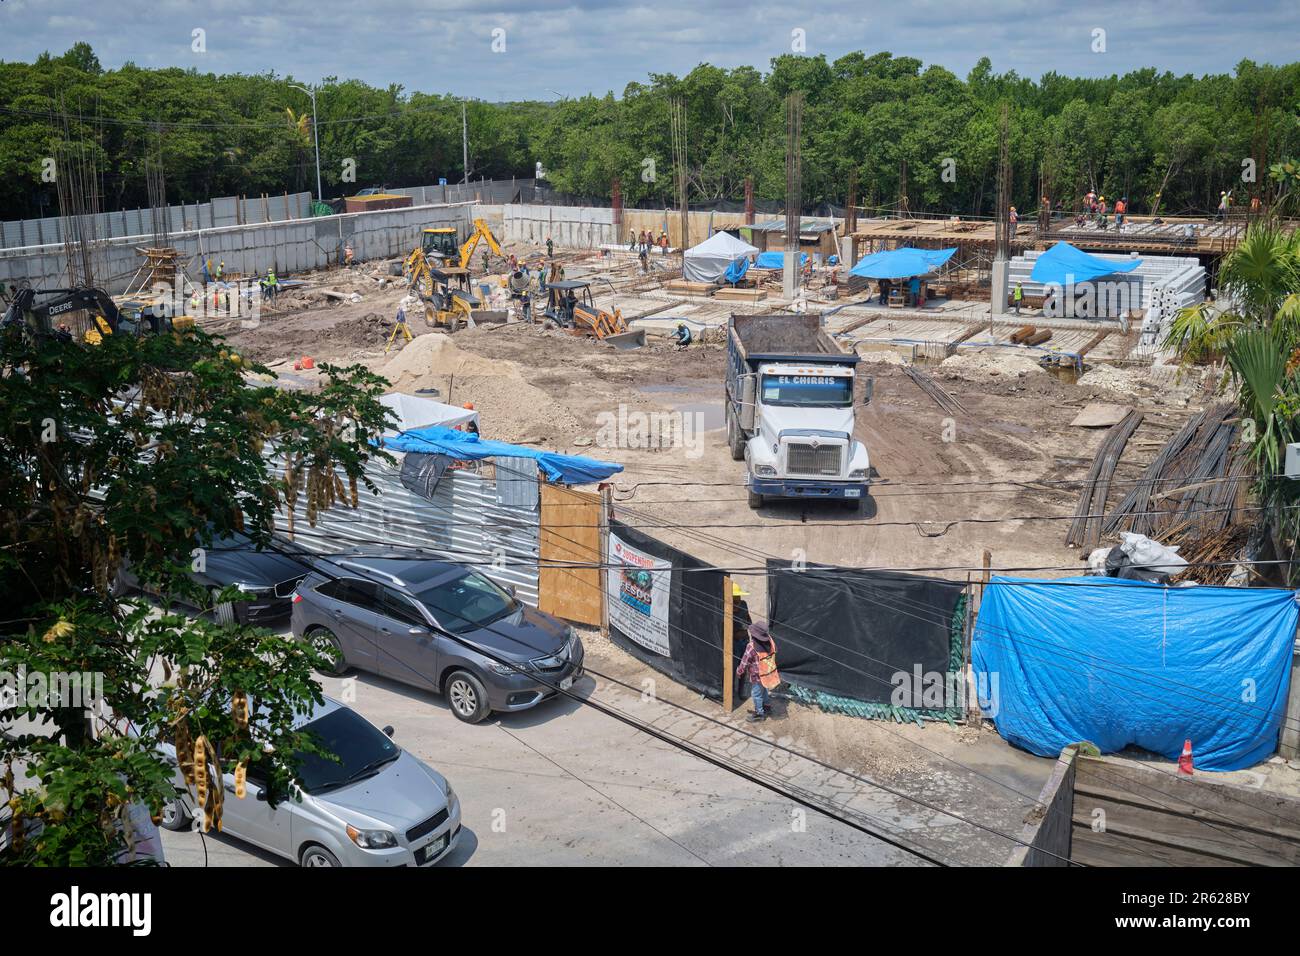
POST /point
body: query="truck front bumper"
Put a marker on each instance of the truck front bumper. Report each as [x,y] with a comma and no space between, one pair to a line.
[805,488]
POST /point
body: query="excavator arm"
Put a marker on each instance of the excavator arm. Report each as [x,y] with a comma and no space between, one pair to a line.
[483,233]
[42,317]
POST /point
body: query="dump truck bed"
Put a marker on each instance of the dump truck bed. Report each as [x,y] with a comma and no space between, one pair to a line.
[784,337]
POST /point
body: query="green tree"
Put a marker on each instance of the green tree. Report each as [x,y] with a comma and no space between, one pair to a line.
[144,450]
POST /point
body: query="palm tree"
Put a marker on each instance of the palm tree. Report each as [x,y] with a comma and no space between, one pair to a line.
[1255,328]
[300,133]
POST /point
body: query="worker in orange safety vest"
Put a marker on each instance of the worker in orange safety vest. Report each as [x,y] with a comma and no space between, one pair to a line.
[758,665]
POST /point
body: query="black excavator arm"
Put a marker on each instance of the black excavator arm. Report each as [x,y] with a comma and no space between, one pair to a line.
[38,310]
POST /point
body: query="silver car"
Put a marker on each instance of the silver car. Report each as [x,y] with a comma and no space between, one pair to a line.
[377,806]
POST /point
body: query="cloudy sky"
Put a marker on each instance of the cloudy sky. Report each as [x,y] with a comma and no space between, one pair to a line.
[544,49]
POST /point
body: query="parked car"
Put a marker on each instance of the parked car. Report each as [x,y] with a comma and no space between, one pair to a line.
[376,806]
[440,626]
[267,577]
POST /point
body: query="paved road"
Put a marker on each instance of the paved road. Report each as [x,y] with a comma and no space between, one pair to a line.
[566,785]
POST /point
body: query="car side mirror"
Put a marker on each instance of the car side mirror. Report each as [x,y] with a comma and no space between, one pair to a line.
[418,631]
[389,731]
[510,589]
[868,389]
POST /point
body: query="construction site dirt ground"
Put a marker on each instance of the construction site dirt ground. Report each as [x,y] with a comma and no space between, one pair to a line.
[944,492]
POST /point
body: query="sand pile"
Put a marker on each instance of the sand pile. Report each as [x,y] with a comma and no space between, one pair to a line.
[990,365]
[510,409]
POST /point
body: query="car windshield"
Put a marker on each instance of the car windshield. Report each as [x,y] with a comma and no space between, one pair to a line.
[361,750]
[468,602]
[814,390]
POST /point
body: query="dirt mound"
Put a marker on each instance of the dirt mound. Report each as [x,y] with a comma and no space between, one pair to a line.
[985,365]
[1112,379]
[510,408]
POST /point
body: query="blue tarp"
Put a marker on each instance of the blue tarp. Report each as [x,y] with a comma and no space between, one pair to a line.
[901,263]
[776,260]
[1063,264]
[736,270]
[1121,662]
[567,469]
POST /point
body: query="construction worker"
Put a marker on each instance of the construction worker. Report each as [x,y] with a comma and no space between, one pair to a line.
[758,666]
[550,248]
[1121,207]
[1225,203]
[270,286]
[682,336]
[644,256]
[471,426]
[631,240]
[221,270]
[347,255]
[1014,218]
[1018,296]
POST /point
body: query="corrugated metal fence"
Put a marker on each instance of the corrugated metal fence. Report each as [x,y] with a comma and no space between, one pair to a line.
[470,518]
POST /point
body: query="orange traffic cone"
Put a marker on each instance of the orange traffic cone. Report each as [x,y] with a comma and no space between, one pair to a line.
[1185,759]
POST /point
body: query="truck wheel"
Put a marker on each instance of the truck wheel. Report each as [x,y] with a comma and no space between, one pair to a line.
[735,441]
[755,500]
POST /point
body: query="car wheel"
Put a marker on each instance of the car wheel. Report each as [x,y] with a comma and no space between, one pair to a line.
[174,815]
[467,697]
[332,647]
[755,500]
[317,856]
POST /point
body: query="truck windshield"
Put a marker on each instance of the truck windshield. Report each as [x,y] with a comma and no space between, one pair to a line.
[813,390]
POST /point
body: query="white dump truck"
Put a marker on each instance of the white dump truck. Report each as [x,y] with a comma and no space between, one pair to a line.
[789,407]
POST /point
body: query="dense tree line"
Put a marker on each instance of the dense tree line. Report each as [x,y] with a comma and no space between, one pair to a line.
[1164,141]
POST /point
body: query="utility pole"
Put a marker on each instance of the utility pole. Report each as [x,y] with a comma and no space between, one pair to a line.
[315,135]
[464,141]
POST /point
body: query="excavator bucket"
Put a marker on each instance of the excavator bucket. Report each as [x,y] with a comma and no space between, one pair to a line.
[623,341]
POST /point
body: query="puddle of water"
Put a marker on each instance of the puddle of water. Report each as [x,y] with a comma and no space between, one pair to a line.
[711,413]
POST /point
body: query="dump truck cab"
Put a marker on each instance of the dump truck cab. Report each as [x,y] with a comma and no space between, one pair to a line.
[790,410]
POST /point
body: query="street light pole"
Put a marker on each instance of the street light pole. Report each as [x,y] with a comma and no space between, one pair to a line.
[464,140]
[315,135]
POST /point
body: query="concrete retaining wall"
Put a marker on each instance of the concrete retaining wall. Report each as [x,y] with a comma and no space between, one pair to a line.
[288,247]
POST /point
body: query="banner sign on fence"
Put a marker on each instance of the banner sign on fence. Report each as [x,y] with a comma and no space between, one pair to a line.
[639,589]
[666,608]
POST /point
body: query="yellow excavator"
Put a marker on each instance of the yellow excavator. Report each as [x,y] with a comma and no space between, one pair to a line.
[438,248]
[448,304]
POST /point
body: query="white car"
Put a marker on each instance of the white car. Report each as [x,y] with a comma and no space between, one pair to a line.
[377,806]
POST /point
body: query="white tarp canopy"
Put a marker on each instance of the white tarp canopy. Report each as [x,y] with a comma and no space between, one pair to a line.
[710,259]
[416,412]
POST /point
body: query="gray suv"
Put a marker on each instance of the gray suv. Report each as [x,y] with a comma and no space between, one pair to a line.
[439,626]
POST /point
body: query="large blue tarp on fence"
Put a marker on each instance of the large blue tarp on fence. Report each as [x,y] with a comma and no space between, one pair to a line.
[435,440]
[901,263]
[1122,662]
[1063,264]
